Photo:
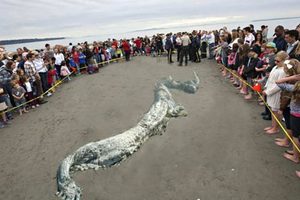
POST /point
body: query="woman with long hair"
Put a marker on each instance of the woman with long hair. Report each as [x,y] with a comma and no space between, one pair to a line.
[273,91]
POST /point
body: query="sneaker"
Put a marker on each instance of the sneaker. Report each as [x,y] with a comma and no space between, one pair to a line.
[263,113]
[33,107]
[49,94]
[37,105]
[268,118]
[2,126]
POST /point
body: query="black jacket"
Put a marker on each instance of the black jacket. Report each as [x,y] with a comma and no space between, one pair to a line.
[294,53]
[249,69]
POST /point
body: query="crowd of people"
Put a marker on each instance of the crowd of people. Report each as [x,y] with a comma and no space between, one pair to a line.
[250,61]
[27,76]
[253,63]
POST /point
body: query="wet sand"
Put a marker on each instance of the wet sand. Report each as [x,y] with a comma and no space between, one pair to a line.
[218,151]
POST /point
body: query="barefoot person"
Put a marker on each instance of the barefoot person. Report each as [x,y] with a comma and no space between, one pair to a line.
[273,91]
[285,99]
[295,112]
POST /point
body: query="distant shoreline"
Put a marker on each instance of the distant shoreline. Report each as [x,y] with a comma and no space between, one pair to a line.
[20,41]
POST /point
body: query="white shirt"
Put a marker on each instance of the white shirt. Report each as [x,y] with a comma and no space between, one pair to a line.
[185,40]
[178,41]
[290,47]
[249,39]
[234,42]
[65,71]
[211,38]
[59,57]
[39,65]
[28,86]
[272,90]
[69,49]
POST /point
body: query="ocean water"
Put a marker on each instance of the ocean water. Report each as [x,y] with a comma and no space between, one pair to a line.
[287,23]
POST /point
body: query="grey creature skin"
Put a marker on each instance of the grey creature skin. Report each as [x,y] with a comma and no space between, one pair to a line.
[111,151]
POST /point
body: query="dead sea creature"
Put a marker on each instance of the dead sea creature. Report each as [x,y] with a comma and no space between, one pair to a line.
[111,151]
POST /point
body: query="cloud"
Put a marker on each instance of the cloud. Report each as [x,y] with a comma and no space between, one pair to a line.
[44,18]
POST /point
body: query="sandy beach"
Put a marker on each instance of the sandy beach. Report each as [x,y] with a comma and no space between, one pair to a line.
[219,151]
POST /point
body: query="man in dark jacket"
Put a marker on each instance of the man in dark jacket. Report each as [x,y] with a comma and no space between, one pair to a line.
[169,47]
[195,46]
[5,78]
[279,39]
[293,44]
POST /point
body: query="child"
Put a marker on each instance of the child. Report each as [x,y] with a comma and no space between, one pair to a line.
[248,70]
[29,91]
[272,91]
[51,74]
[291,68]
[268,58]
[64,71]
[18,94]
[233,63]
[82,60]
[73,66]
[223,53]
[295,118]
[148,50]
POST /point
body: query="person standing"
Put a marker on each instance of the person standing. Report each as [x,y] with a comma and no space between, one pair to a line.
[6,73]
[272,91]
[281,44]
[186,41]
[18,94]
[264,32]
[34,77]
[48,53]
[169,47]
[41,68]
[194,47]
[293,44]
[126,49]
[211,44]
[59,57]
[178,45]
[249,37]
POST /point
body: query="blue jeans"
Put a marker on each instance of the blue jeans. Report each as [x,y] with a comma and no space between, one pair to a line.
[211,51]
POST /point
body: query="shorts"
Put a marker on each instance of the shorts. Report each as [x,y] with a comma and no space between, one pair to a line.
[295,126]
[20,102]
[274,109]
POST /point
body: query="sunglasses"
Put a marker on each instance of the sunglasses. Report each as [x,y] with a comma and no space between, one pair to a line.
[277,60]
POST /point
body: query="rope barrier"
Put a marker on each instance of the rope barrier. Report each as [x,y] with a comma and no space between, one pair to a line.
[55,86]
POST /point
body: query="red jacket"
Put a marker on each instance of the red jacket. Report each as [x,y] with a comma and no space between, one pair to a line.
[51,74]
[138,43]
[76,57]
[125,46]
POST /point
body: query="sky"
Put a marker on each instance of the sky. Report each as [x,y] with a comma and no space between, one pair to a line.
[77,18]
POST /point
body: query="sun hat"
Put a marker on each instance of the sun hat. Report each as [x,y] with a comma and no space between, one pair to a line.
[271,45]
